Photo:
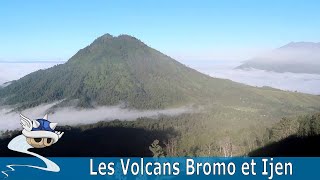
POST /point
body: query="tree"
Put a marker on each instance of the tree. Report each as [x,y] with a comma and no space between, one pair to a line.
[309,125]
[156,149]
[171,147]
[283,129]
[226,147]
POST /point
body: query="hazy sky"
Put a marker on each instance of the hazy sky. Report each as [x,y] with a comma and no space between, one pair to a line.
[186,30]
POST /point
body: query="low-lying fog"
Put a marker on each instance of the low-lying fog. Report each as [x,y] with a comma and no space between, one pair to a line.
[306,83]
[73,116]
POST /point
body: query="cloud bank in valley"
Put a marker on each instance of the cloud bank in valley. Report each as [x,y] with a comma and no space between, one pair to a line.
[291,56]
[306,83]
[73,116]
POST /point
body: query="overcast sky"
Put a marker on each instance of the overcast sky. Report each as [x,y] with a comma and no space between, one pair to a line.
[185,30]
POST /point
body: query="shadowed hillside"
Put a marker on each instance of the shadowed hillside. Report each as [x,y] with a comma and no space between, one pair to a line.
[97,142]
[293,137]
[229,118]
[292,146]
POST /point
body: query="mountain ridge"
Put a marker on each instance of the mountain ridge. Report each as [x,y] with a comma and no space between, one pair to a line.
[302,44]
[114,70]
[128,67]
[295,57]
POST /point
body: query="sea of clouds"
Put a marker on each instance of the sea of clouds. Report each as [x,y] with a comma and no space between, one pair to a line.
[306,83]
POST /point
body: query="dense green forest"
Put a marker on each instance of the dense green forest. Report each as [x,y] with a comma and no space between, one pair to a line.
[292,137]
[177,136]
[114,70]
[226,118]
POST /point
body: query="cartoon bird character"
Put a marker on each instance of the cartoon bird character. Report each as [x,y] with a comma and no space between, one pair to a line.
[40,133]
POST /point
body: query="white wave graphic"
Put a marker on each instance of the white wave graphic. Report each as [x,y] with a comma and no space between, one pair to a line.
[19,144]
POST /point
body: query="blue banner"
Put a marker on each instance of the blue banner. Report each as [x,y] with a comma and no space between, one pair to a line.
[167,168]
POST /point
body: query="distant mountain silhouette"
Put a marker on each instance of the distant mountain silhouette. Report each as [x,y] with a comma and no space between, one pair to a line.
[296,57]
[123,70]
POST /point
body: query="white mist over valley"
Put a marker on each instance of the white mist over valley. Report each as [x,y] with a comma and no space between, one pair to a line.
[306,83]
[300,82]
[10,120]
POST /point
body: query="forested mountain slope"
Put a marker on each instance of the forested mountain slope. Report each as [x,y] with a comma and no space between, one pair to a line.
[123,69]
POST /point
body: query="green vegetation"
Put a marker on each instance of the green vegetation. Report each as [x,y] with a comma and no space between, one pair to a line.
[309,125]
[122,69]
[303,126]
[110,71]
[292,137]
[229,119]
[184,135]
[198,135]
